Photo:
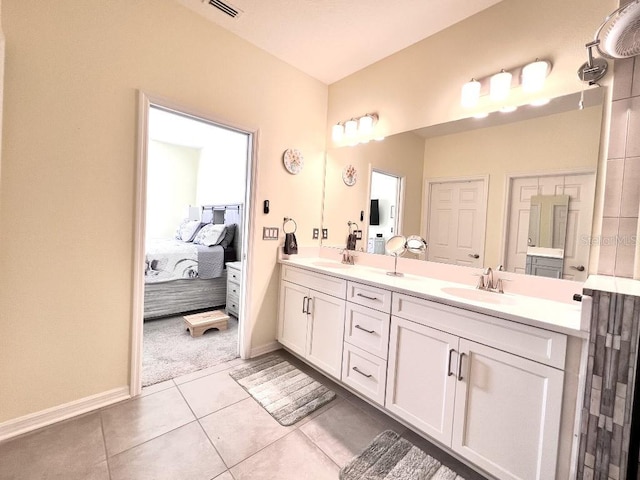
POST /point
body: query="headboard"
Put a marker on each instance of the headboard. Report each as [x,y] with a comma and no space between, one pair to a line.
[228,215]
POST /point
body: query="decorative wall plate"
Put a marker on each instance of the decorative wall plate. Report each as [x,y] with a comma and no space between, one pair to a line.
[349,175]
[293,160]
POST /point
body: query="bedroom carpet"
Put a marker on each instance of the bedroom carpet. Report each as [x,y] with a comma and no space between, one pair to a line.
[170,351]
[285,392]
[391,457]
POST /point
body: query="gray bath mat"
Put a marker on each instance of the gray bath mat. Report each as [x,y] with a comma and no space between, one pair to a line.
[284,391]
[390,457]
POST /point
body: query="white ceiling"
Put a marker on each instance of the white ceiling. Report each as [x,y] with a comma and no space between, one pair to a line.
[331,39]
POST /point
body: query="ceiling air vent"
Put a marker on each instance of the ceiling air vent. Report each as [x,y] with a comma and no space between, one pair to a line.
[225,8]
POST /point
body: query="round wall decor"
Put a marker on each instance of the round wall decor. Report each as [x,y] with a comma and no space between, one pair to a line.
[293,160]
[349,175]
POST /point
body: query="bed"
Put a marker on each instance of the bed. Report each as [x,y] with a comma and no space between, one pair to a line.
[181,276]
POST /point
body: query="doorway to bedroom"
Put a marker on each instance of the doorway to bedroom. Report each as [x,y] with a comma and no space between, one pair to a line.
[196,197]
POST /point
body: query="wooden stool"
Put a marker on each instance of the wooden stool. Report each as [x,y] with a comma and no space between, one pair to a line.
[199,323]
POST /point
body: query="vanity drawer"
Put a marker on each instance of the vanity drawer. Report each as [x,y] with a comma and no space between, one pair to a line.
[369,296]
[536,344]
[333,286]
[368,329]
[364,373]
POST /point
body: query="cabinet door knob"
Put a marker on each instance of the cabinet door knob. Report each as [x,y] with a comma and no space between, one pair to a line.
[460,378]
[356,369]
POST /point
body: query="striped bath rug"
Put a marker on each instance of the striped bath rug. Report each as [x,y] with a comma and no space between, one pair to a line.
[390,457]
[284,391]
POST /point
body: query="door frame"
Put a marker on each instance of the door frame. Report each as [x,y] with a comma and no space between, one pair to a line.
[428,182]
[508,187]
[145,102]
[399,200]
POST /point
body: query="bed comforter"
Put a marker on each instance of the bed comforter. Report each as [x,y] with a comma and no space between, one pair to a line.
[168,260]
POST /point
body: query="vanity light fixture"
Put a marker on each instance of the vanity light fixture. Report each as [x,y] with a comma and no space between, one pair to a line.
[499,86]
[530,77]
[356,130]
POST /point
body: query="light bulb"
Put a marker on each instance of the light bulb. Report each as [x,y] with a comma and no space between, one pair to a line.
[470,94]
[337,132]
[500,84]
[534,75]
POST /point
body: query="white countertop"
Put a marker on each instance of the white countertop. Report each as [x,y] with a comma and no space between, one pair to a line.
[548,314]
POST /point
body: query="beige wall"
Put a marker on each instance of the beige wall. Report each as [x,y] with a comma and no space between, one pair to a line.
[67,189]
[555,143]
[400,155]
[420,86]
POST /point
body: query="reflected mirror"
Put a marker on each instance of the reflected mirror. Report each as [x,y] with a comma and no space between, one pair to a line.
[466,186]
[547,232]
[396,246]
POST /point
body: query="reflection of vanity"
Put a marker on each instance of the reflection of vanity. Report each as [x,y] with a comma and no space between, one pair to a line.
[547,232]
[472,372]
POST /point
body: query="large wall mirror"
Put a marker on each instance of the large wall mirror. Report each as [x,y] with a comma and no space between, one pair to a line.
[467,186]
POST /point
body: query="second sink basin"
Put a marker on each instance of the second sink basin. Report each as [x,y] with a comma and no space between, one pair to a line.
[476,295]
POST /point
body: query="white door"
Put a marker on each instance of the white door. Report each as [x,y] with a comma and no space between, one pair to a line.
[456,222]
[581,191]
[292,321]
[502,422]
[326,330]
[421,378]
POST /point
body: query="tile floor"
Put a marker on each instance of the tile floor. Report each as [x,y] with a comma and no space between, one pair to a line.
[204,426]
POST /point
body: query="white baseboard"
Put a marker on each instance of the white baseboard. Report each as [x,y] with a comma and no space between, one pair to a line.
[33,421]
[267,348]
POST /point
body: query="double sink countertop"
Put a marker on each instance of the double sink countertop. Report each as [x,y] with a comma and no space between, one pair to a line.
[537,312]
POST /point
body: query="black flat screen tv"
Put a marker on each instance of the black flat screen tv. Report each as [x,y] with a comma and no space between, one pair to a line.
[374,213]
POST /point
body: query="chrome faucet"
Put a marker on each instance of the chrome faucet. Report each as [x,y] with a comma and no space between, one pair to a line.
[486,281]
[347,257]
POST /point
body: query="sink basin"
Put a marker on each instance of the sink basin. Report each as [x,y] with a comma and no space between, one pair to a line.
[476,295]
[330,264]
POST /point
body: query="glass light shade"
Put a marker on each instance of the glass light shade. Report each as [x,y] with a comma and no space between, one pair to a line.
[365,125]
[499,86]
[534,75]
[470,94]
[350,127]
[337,132]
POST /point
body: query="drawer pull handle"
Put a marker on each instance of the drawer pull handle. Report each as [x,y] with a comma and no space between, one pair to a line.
[365,296]
[364,329]
[356,369]
[460,378]
[449,372]
[304,305]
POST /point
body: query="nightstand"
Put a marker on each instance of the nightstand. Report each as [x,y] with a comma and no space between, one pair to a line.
[234,278]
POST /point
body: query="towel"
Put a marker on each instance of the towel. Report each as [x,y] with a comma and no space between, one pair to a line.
[351,241]
[290,244]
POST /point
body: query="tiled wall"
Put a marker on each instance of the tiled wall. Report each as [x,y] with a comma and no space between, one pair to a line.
[622,187]
[608,404]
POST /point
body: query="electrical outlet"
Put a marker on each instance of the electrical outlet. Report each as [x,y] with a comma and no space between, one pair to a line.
[325,233]
[316,233]
[358,234]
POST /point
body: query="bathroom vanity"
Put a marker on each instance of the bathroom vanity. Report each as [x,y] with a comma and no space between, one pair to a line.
[491,377]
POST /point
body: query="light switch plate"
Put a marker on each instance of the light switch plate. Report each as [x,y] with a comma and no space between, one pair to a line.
[270,233]
[316,233]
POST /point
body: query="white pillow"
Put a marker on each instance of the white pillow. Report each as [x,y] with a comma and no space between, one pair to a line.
[187,230]
[210,235]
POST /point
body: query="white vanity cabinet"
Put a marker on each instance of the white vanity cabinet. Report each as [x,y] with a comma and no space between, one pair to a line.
[311,317]
[464,379]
